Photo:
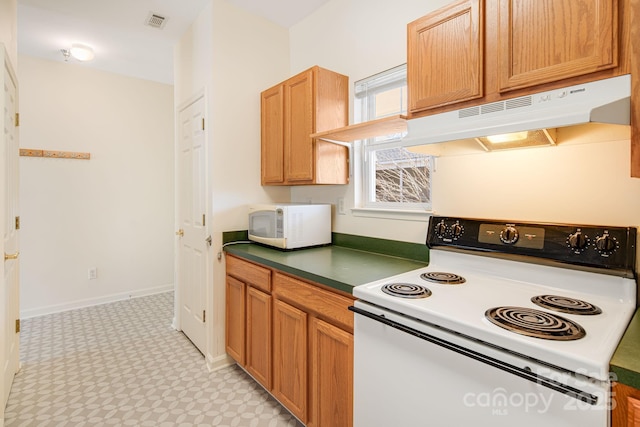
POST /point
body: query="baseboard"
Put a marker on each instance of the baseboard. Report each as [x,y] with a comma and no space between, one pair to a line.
[41,311]
[213,364]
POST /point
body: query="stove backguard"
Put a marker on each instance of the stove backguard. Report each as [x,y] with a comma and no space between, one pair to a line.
[609,250]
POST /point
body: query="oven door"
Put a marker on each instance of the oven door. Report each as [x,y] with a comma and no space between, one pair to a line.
[408,373]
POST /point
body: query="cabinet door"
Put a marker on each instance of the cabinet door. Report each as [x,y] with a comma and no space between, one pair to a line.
[445,56]
[259,336]
[543,41]
[290,358]
[235,320]
[625,406]
[331,382]
[272,134]
[298,126]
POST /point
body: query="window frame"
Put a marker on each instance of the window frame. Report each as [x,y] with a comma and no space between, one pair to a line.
[365,91]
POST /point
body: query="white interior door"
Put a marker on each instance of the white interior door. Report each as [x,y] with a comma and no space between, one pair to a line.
[192,232]
[9,221]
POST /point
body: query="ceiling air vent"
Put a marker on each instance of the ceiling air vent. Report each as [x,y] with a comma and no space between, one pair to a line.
[156,21]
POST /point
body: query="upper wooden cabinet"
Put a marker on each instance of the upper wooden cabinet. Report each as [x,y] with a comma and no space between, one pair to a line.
[547,40]
[475,51]
[444,58]
[312,101]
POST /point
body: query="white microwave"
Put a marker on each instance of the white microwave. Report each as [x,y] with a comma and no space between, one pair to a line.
[290,226]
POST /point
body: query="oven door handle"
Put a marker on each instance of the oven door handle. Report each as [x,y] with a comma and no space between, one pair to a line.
[522,373]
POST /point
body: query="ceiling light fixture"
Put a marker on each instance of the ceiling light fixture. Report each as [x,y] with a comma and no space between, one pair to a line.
[80,52]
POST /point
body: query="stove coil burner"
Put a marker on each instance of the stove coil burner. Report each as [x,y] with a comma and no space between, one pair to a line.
[535,323]
[443,278]
[566,305]
[406,290]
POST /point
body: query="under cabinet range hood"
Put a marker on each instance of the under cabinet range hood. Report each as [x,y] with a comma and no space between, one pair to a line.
[602,101]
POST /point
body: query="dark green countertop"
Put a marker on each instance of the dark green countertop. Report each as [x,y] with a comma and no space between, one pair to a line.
[625,363]
[339,267]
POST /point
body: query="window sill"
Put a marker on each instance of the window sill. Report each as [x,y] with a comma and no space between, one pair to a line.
[404,215]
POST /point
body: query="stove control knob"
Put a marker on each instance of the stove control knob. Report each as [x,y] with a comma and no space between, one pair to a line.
[578,241]
[606,244]
[509,235]
[441,229]
[456,230]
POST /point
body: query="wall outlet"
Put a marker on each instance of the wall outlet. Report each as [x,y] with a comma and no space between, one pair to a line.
[340,207]
[93,273]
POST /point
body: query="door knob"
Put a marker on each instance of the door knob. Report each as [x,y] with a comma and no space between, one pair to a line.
[208,240]
[11,256]
[180,232]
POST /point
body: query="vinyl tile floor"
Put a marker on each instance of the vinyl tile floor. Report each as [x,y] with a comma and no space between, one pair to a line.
[121,364]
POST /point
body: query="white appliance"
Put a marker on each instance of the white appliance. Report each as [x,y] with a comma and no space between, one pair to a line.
[290,225]
[509,324]
[601,101]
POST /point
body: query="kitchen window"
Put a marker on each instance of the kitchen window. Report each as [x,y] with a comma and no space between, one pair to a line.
[393,176]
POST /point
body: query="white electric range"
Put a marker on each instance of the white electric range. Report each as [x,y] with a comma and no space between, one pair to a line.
[510,323]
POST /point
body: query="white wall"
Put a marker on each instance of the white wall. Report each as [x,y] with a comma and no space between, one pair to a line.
[8,28]
[231,56]
[574,182]
[113,212]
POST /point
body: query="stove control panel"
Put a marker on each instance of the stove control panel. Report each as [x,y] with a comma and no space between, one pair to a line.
[605,249]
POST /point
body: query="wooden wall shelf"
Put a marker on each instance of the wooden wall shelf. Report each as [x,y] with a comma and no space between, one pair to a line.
[30,152]
[366,130]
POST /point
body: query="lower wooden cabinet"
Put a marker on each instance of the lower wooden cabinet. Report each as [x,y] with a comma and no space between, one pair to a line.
[248,318]
[295,338]
[625,406]
[313,352]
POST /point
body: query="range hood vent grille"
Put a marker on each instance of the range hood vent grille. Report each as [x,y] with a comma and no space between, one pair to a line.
[492,108]
[468,112]
[495,107]
[525,101]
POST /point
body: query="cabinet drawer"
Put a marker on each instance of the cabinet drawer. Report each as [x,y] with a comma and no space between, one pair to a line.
[258,277]
[326,304]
